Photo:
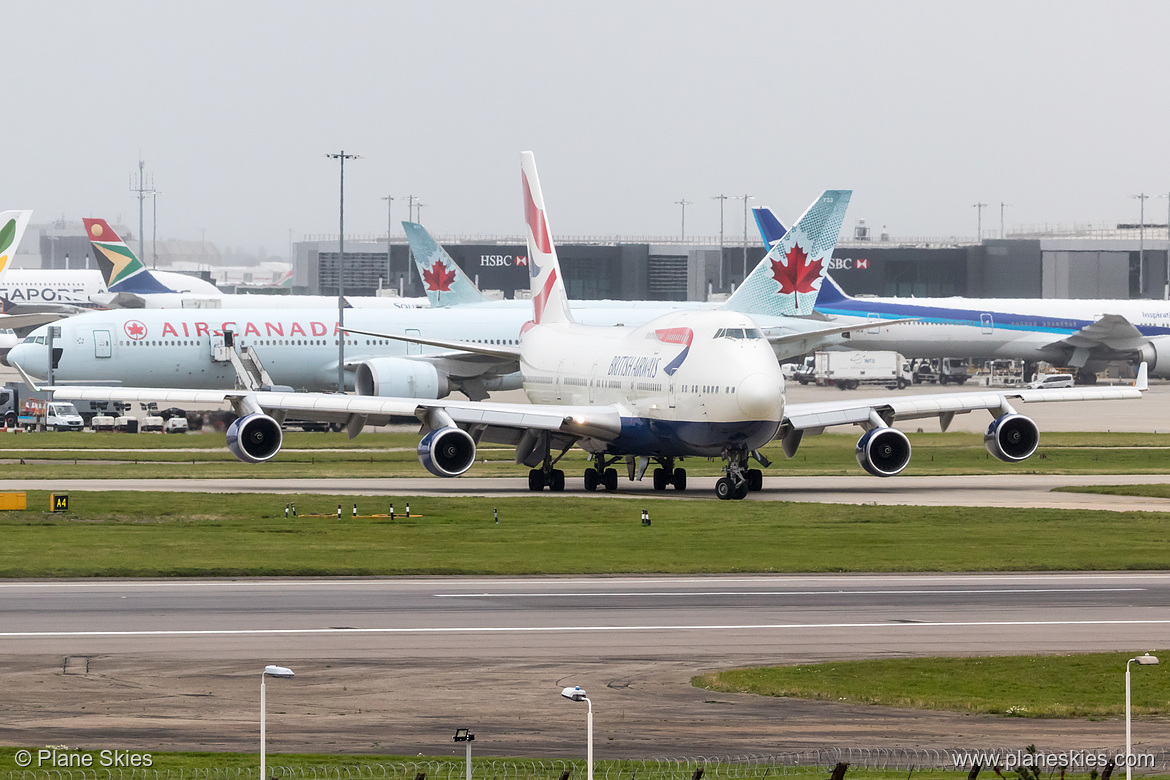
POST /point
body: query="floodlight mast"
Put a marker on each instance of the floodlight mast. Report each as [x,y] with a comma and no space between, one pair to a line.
[269,671]
[577,693]
[1142,660]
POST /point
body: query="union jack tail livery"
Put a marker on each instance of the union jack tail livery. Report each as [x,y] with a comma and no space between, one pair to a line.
[550,303]
[787,281]
[12,225]
[120,267]
[445,282]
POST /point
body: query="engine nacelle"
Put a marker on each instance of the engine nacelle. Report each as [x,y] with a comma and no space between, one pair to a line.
[400,378]
[447,452]
[254,438]
[883,452]
[1012,438]
[1156,352]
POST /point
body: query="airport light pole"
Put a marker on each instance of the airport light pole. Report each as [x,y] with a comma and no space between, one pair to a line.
[578,694]
[341,157]
[410,199]
[684,203]
[1142,660]
[389,225]
[1141,244]
[465,736]
[1002,206]
[269,671]
[721,199]
[745,199]
[154,227]
[979,208]
[1166,288]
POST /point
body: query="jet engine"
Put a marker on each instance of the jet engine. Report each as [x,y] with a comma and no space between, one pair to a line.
[254,438]
[400,378]
[447,452]
[1151,352]
[883,452]
[1012,437]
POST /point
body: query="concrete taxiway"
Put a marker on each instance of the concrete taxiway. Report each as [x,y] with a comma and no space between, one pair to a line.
[396,665]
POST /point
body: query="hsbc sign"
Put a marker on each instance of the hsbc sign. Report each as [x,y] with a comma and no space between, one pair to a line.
[492,261]
[849,263]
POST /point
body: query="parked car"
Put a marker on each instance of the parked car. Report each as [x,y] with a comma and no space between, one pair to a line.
[1045,381]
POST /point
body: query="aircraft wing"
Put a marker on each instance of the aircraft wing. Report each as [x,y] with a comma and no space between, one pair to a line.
[23,323]
[503,351]
[787,343]
[815,417]
[1112,331]
[510,419]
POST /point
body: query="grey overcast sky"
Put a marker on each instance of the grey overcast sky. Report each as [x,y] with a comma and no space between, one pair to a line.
[1059,108]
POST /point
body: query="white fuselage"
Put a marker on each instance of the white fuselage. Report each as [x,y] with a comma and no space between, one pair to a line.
[51,286]
[1027,328]
[176,348]
[687,383]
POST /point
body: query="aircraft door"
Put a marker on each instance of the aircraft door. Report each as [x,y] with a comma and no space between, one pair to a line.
[987,323]
[412,348]
[593,380]
[875,320]
[101,344]
[560,380]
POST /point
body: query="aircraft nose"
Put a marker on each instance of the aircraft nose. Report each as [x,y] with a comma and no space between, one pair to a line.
[31,360]
[760,397]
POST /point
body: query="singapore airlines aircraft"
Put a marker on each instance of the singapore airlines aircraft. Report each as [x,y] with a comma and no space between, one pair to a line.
[1082,333]
[687,384]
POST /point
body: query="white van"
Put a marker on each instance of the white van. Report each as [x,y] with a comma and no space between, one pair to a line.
[1045,381]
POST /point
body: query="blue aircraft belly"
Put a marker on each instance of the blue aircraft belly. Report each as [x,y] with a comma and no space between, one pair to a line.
[682,438]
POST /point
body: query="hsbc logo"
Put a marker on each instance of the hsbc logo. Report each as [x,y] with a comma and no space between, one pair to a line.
[849,263]
[493,261]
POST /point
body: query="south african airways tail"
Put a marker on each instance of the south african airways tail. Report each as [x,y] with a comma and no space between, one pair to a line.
[120,267]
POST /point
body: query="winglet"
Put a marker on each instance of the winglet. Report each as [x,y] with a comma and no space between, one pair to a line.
[28,380]
[1142,381]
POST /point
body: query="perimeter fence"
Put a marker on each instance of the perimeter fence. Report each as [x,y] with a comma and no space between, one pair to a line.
[741,767]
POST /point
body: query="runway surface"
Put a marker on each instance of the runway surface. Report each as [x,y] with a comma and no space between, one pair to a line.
[1003,490]
[394,665]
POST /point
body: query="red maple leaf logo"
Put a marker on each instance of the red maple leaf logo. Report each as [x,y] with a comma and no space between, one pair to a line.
[135,330]
[438,278]
[800,273]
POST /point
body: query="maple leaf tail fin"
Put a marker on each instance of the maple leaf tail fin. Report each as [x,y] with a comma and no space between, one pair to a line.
[430,259]
[550,302]
[787,281]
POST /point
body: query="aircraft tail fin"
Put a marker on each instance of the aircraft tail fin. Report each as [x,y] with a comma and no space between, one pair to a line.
[445,282]
[12,225]
[770,228]
[831,293]
[789,278]
[550,302]
[121,269]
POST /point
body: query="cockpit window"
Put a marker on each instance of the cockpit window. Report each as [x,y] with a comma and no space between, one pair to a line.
[738,333]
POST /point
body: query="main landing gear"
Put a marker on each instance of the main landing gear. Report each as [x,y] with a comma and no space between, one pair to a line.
[601,475]
[546,475]
[739,479]
[666,474]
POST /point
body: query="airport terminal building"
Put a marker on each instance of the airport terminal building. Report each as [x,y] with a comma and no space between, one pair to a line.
[1114,263]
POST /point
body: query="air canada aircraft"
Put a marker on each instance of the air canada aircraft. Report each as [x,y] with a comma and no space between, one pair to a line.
[1082,333]
[686,384]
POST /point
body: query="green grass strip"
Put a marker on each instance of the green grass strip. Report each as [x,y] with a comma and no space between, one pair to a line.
[138,534]
[1061,686]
